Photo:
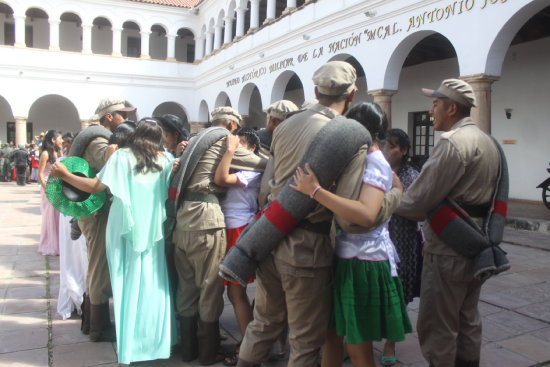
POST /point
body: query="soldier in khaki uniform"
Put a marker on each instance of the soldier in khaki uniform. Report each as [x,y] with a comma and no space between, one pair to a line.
[200,245]
[96,317]
[294,283]
[463,166]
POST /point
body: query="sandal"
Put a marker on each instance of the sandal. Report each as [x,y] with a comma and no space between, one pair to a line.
[388,361]
[232,358]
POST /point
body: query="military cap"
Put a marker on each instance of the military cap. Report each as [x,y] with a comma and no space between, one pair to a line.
[281,109]
[110,105]
[454,89]
[226,112]
[335,78]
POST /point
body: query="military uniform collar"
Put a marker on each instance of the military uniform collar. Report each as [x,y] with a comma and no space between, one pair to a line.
[461,123]
[323,110]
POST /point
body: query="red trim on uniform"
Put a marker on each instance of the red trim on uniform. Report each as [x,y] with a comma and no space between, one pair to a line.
[280,218]
[500,208]
[441,218]
[173,194]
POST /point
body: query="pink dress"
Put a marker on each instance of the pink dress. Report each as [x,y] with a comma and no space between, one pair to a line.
[49,234]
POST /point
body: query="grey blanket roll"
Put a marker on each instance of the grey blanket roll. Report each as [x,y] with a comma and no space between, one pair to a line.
[328,153]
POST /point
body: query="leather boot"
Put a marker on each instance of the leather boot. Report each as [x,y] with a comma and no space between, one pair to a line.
[98,330]
[85,325]
[462,363]
[189,344]
[208,337]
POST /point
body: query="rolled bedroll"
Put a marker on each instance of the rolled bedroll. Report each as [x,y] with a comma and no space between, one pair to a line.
[327,154]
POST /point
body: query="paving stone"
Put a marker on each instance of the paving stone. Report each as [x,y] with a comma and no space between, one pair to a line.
[30,265]
[528,346]
[517,322]
[513,280]
[35,357]
[26,292]
[487,309]
[543,334]
[26,282]
[493,355]
[493,331]
[15,306]
[66,331]
[540,311]
[24,338]
[25,320]
[87,354]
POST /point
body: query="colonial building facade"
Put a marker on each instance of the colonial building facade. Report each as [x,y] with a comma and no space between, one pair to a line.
[59,58]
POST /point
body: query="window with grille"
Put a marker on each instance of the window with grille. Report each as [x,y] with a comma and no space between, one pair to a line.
[423,137]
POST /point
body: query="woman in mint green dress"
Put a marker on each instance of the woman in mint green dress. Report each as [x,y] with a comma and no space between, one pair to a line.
[138,177]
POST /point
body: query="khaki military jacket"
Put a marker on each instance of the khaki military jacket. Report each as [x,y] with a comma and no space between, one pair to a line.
[196,215]
[463,166]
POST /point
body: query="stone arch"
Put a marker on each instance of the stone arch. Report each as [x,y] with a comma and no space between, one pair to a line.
[231,12]
[131,39]
[250,106]
[222,100]
[400,54]
[220,22]
[173,108]
[69,38]
[37,28]
[288,85]
[54,111]
[158,42]
[361,82]
[6,11]
[204,113]
[501,43]
[102,36]
[6,115]
[185,45]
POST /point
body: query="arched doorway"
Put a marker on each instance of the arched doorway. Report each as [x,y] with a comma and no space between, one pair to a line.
[185,46]
[70,32]
[102,36]
[8,25]
[53,112]
[6,118]
[361,82]
[288,86]
[250,106]
[37,29]
[204,113]
[131,39]
[173,108]
[222,100]
[158,42]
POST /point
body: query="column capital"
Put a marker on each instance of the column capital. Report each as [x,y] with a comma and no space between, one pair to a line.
[481,84]
[54,21]
[219,26]
[19,16]
[255,1]
[86,25]
[145,33]
[20,118]
[228,19]
[241,10]
[382,92]
[480,80]
[171,36]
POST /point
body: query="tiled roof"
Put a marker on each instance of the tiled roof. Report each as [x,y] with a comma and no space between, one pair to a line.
[177,3]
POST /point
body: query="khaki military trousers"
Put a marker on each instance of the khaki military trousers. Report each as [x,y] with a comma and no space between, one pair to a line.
[449,324]
[98,281]
[198,255]
[301,295]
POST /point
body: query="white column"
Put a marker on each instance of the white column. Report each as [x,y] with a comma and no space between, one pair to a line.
[145,35]
[254,14]
[87,38]
[19,30]
[218,37]
[171,47]
[117,41]
[54,34]
[199,48]
[228,35]
[208,47]
[240,21]
[290,4]
[271,10]
[20,130]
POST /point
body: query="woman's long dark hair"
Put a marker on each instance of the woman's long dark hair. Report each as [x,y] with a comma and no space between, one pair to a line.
[372,117]
[146,143]
[402,139]
[48,146]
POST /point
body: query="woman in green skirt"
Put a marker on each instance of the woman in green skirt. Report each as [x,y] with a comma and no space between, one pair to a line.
[368,298]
